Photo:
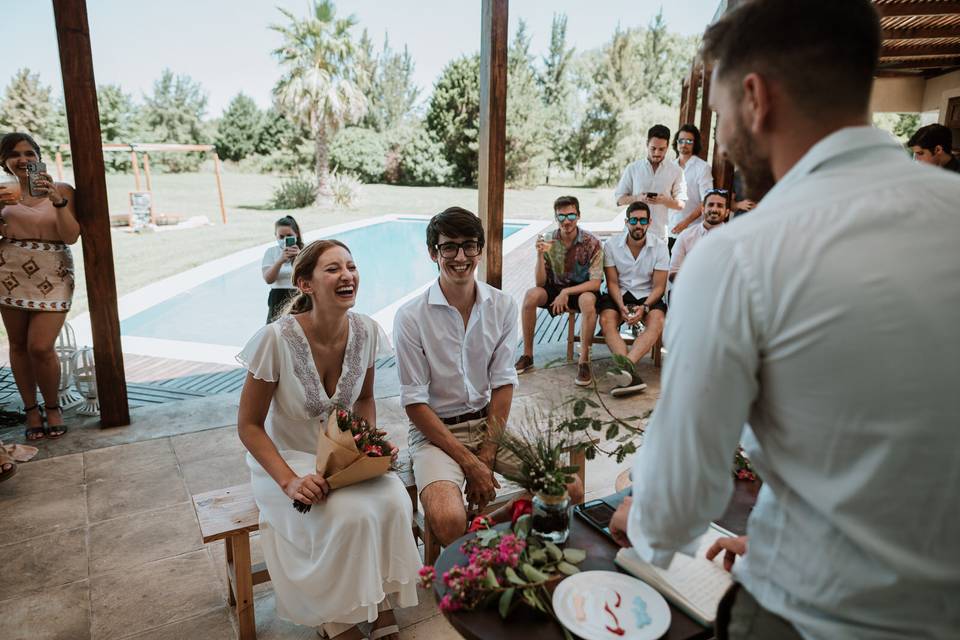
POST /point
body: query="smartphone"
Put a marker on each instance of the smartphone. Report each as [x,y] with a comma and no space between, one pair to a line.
[34,169]
[597,513]
[652,194]
[289,241]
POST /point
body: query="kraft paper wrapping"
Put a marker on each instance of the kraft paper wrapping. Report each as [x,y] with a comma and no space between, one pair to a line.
[338,460]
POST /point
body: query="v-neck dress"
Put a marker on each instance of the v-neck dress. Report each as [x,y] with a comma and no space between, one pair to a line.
[339,560]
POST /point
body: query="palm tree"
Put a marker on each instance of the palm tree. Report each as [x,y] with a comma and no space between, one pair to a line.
[317,89]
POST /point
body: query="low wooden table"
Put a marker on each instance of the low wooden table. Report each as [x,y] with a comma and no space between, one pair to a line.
[526,624]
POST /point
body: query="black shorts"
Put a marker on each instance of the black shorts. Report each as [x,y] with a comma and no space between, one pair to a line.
[573,301]
[607,302]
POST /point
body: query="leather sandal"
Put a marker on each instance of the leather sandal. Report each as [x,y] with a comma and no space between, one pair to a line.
[8,466]
[34,433]
[54,431]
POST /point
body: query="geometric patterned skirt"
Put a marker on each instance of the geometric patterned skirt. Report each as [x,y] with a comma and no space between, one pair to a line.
[36,275]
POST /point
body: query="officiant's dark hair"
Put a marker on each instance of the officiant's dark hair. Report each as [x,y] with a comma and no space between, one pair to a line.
[303,266]
[453,222]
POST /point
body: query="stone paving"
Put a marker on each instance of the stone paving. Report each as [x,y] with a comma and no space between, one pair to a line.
[98,537]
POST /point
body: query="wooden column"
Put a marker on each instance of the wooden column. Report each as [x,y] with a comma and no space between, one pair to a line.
[706,113]
[493,133]
[83,119]
[136,168]
[688,112]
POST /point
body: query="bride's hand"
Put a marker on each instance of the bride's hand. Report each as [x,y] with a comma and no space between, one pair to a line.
[394,451]
[308,489]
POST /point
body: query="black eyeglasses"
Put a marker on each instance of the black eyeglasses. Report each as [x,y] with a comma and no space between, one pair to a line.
[471,248]
[566,216]
[633,220]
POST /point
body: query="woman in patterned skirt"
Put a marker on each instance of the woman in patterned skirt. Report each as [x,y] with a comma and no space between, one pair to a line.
[36,279]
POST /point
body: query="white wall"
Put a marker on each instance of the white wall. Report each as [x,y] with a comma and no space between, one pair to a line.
[897,95]
[938,91]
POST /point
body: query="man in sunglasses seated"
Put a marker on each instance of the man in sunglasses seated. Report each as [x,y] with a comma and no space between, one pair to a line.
[635,263]
[715,215]
[569,273]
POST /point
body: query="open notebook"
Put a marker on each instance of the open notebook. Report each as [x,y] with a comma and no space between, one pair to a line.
[695,585]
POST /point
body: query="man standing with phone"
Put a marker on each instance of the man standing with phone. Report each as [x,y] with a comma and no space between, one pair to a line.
[654,180]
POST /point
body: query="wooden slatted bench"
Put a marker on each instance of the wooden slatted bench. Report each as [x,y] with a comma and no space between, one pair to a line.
[231,515]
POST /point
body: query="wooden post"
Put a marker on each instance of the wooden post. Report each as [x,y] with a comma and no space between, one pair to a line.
[83,120]
[706,113]
[58,160]
[689,113]
[683,102]
[493,132]
[216,172]
[136,169]
[146,171]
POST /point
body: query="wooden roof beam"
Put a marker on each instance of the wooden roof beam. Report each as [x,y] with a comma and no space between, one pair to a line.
[923,63]
[920,50]
[922,33]
[944,7]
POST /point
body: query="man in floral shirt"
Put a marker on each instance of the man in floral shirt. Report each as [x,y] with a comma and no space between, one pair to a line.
[569,272]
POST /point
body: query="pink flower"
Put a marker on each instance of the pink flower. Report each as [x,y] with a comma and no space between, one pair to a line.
[427,575]
[448,604]
[509,549]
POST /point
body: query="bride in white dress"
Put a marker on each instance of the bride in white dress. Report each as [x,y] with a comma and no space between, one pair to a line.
[333,566]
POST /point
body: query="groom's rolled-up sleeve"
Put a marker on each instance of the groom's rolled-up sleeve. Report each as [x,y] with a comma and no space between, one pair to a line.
[412,366]
[502,370]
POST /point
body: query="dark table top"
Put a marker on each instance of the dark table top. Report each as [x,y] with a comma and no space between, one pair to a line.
[524,623]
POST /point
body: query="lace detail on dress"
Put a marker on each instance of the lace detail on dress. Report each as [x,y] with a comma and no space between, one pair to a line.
[303,367]
[352,361]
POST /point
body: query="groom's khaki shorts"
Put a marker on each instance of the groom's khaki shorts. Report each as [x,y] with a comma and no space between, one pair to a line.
[431,463]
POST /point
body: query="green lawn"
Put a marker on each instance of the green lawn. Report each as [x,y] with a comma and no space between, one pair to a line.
[144,258]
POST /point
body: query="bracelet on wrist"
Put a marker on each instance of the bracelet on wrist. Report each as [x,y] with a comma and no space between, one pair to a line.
[61,204]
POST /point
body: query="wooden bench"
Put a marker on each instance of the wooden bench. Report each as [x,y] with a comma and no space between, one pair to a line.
[573,336]
[231,515]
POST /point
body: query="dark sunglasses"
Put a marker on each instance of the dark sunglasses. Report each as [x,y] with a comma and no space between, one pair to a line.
[566,216]
[471,248]
[634,220]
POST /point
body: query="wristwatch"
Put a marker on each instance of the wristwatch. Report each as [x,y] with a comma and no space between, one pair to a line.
[646,308]
[61,205]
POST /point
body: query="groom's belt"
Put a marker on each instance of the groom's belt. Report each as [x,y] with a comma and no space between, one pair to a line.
[465,417]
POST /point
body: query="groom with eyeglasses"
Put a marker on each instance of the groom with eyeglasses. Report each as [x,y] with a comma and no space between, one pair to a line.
[569,272]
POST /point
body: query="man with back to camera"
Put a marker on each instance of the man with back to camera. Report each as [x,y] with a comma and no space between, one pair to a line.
[455,344]
[931,145]
[715,215]
[797,320]
[654,180]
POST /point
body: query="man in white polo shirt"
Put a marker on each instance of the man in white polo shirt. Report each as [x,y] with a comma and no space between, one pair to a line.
[715,215]
[654,180]
[455,345]
[635,264]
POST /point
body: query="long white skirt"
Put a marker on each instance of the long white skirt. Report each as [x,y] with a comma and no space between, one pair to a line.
[337,562]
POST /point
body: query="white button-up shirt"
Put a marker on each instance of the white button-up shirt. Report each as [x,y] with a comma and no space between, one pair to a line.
[450,368]
[636,274]
[640,177]
[685,241]
[698,177]
[828,319]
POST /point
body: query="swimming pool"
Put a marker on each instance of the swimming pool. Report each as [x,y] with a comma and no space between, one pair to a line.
[228,308]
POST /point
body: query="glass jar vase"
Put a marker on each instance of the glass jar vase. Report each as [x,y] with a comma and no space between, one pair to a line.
[551,517]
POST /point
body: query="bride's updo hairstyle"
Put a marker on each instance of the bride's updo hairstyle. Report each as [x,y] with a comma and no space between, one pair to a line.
[303,267]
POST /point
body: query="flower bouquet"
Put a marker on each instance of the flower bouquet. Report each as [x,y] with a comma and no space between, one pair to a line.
[349,450]
[508,568]
[742,467]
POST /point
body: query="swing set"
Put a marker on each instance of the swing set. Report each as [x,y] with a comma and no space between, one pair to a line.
[139,197]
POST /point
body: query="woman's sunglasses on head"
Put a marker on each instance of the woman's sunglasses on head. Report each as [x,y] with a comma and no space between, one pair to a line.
[682,141]
[566,216]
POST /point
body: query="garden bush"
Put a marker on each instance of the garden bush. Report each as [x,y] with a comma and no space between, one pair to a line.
[359,151]
[415,158]
[295,192]
[344,189]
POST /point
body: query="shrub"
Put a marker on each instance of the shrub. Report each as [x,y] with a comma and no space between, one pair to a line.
[415,158]
[295,192]
[344,189]
[359,151]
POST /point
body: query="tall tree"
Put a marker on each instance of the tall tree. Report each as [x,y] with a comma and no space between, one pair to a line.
[174,113]
[317,89]
[453,116]
[239,129]
[28,107]
[558,91]
[118,123]
[526,145]
[393,92]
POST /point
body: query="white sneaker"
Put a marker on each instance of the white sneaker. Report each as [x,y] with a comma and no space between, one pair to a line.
[620,378]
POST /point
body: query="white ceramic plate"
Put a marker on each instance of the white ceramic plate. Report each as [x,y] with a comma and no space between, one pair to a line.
[595,604]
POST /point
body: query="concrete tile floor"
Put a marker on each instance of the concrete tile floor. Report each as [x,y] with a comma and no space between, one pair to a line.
[104,544]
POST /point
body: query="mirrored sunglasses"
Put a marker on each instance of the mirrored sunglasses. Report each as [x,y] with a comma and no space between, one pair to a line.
[566,216]
[634,221]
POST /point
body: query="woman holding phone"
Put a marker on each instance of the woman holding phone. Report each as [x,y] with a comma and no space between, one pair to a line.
[277,265]
[37,222]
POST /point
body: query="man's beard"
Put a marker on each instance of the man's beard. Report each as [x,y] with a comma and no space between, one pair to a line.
[755,170]
[638,235]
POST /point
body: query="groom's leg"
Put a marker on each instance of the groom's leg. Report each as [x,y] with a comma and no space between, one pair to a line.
[444,509]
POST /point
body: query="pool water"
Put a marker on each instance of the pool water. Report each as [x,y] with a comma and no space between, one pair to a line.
[391,258]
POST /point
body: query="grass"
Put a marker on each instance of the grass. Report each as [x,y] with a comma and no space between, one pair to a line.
[140,259]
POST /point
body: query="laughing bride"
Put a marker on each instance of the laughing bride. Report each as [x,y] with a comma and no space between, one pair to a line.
[334,566]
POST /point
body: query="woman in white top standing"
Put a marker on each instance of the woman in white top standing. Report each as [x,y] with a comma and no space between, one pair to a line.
[334,565]
[699,179]
[277,265]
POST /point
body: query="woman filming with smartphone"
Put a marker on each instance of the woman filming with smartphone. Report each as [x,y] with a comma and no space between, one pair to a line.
[37,222]
[277,265]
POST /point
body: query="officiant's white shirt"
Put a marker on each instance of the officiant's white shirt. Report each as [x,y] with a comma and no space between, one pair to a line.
[451,368]
[829,319]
